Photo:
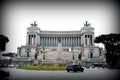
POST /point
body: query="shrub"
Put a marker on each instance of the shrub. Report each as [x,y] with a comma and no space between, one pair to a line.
[43,67]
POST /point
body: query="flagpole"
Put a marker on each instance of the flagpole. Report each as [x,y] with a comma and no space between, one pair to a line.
[72,50]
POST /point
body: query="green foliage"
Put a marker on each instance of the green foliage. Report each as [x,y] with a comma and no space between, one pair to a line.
[8,54]
[111,41]
[43,67]
[112,46]
[3,41]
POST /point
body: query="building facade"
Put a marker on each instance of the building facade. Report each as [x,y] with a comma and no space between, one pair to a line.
[82,41]
[37,37]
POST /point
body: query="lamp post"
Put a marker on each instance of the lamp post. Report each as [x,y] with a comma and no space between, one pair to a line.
[58,58]
[44,58]
[79,57]
[27,52]
[72,50]
[73,56]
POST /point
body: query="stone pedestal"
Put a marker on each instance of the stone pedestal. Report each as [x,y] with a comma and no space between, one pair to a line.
[74,62]
[35,62]
[59,47]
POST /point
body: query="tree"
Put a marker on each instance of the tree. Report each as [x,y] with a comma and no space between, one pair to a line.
[9,54]
[3,41]
[112,46]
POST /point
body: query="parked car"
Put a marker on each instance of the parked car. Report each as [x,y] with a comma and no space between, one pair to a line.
[4,73]
[105,66]
[92,66]
[87,66]
[74,67]
[3,65]
[98,64]
[11,65]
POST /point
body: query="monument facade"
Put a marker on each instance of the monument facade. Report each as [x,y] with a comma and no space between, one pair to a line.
[56,42]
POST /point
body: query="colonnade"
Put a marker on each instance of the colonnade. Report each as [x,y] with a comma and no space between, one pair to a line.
[52,41]
[66,41]
[31,39]
[88,40]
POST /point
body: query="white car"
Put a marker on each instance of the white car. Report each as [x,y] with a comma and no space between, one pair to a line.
[11,65]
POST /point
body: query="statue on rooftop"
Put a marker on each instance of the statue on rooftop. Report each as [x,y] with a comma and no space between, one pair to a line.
[86,24]
[34,24]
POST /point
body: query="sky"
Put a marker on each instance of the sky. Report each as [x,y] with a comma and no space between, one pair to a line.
[57,15]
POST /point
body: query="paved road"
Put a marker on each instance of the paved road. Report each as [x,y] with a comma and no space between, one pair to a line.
[88,74]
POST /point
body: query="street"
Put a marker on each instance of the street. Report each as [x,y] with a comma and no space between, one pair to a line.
[88,74]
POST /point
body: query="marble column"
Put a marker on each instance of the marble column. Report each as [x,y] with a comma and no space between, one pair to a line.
[49,41]
[70,41]
[91,40]
[61,40]
[41,41]
[37,40]
[87,41]
[56,41]
[33,39]
[45,41]
[27,40]
[65,41]
[79,41]
[75,41]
